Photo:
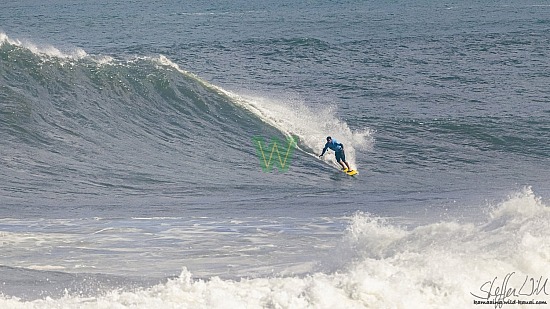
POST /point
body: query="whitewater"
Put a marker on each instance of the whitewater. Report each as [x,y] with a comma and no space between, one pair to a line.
[438,265]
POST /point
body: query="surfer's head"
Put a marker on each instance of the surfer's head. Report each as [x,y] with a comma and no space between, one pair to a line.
[329,138]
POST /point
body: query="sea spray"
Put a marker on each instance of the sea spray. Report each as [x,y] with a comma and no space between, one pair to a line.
[430,266]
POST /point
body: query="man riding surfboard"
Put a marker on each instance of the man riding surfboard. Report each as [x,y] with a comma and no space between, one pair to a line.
[338,149]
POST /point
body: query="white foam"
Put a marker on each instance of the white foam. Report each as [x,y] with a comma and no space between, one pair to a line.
[104,60]
[3,38]
[164,61]
[292,117]
[46,267]
[384,266]
[45,50]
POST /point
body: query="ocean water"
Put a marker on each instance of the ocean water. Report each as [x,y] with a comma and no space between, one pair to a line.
[129,177]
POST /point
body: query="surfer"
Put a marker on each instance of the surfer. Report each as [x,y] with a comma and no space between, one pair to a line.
[338,151]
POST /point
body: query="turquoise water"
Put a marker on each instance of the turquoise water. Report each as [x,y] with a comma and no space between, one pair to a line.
[127,151]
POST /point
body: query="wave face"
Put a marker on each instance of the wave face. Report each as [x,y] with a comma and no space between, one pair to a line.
[377,264]
[81,125]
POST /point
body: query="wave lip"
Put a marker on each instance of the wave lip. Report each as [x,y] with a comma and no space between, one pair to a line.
[44,50]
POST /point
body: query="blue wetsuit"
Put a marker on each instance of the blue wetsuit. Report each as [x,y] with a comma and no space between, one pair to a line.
[338,150]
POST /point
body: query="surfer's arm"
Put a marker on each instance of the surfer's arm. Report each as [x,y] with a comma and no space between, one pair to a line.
[324,149]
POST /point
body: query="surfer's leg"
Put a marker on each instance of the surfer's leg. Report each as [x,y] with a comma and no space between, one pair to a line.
[342,164]
[339,159]
[342,158]
[347,164]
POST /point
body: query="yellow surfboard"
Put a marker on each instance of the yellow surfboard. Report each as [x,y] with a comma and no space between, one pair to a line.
[351,173]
